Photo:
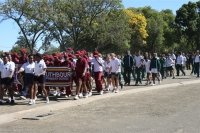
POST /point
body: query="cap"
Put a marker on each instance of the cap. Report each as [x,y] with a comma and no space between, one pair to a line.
[69,50]
[78,53]
[66,56]
[96,54]
[23,50]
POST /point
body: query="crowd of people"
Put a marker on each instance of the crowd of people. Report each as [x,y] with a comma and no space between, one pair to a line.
[106,70]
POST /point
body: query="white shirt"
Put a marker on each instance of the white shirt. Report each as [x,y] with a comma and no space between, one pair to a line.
[137,60]
[13,66]
[1,61]
[197,58]
[114,64]
[97,67]
[28,68]
[6,70]
[107,66]
[173,57]
[180,59]
[39,67]
[147,65]
[74,62]
[169,61]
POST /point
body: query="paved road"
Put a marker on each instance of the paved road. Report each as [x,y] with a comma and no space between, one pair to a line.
[23,104]
[169,110]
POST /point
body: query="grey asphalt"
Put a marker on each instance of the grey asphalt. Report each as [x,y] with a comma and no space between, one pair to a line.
[168,110]
[23,104]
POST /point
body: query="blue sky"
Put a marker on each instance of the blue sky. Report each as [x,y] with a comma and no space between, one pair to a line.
[9,30]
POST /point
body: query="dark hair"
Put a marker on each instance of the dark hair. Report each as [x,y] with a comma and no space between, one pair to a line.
[145,57]
[38,55]
[30,55]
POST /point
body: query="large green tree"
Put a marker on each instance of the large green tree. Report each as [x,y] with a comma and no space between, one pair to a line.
[188,24]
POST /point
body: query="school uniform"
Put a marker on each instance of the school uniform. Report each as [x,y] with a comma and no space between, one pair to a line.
[163,67]
[39,68]
[196,64]
[147,66]
[137,68]
[81,64]
[6,70]
[128,64]
[28,70]
[179,64]
[155,65]
[98,70]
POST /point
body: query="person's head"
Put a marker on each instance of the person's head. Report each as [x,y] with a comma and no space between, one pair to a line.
[66,57]
[108,58]
[179,53]
[138,53]
[9,57]
[30,58]
[145,58]
[169,56]
[23,51]
[154,55]
[5,59]
[38,57]
[127,52]
[78,54]
[112,55]
[197,52]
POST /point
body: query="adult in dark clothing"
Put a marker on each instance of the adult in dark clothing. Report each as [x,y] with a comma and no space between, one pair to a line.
[128,64]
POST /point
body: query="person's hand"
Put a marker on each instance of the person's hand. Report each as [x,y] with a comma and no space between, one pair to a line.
[10,77]
[83,74]
[17,72]
[38,75]
[116,72]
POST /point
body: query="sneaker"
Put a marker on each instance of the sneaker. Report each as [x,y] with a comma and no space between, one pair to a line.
[80,95]
[101,93]
[153,84]
[8,100]
[173,78]
[108,89]
[146,83]
[47,100]
[123,86]
[22,97]
[113,90]
[159,82]
[76,97]
[1,102]
[55,93]
[86,96]
[31,102]
[35,98]
[90,94]
[117,90]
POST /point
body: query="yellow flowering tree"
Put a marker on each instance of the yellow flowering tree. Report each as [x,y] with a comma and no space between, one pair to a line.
[137,25]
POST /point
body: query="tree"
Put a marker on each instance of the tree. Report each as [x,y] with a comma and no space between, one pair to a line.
[188,23]
[137,24]
[17,49]
[29,16]
[52,49]
[154,28]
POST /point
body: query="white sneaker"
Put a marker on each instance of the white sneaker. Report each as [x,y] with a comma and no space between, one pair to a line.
[101,93]
[76,97]
[35,98]
[153,84]
[86,96]
[159,82]
[55,93]
[80,95]
[90,94]
[116,90]
[146,83]
[47,100]
[113,90]
[30,102]
[22,97]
